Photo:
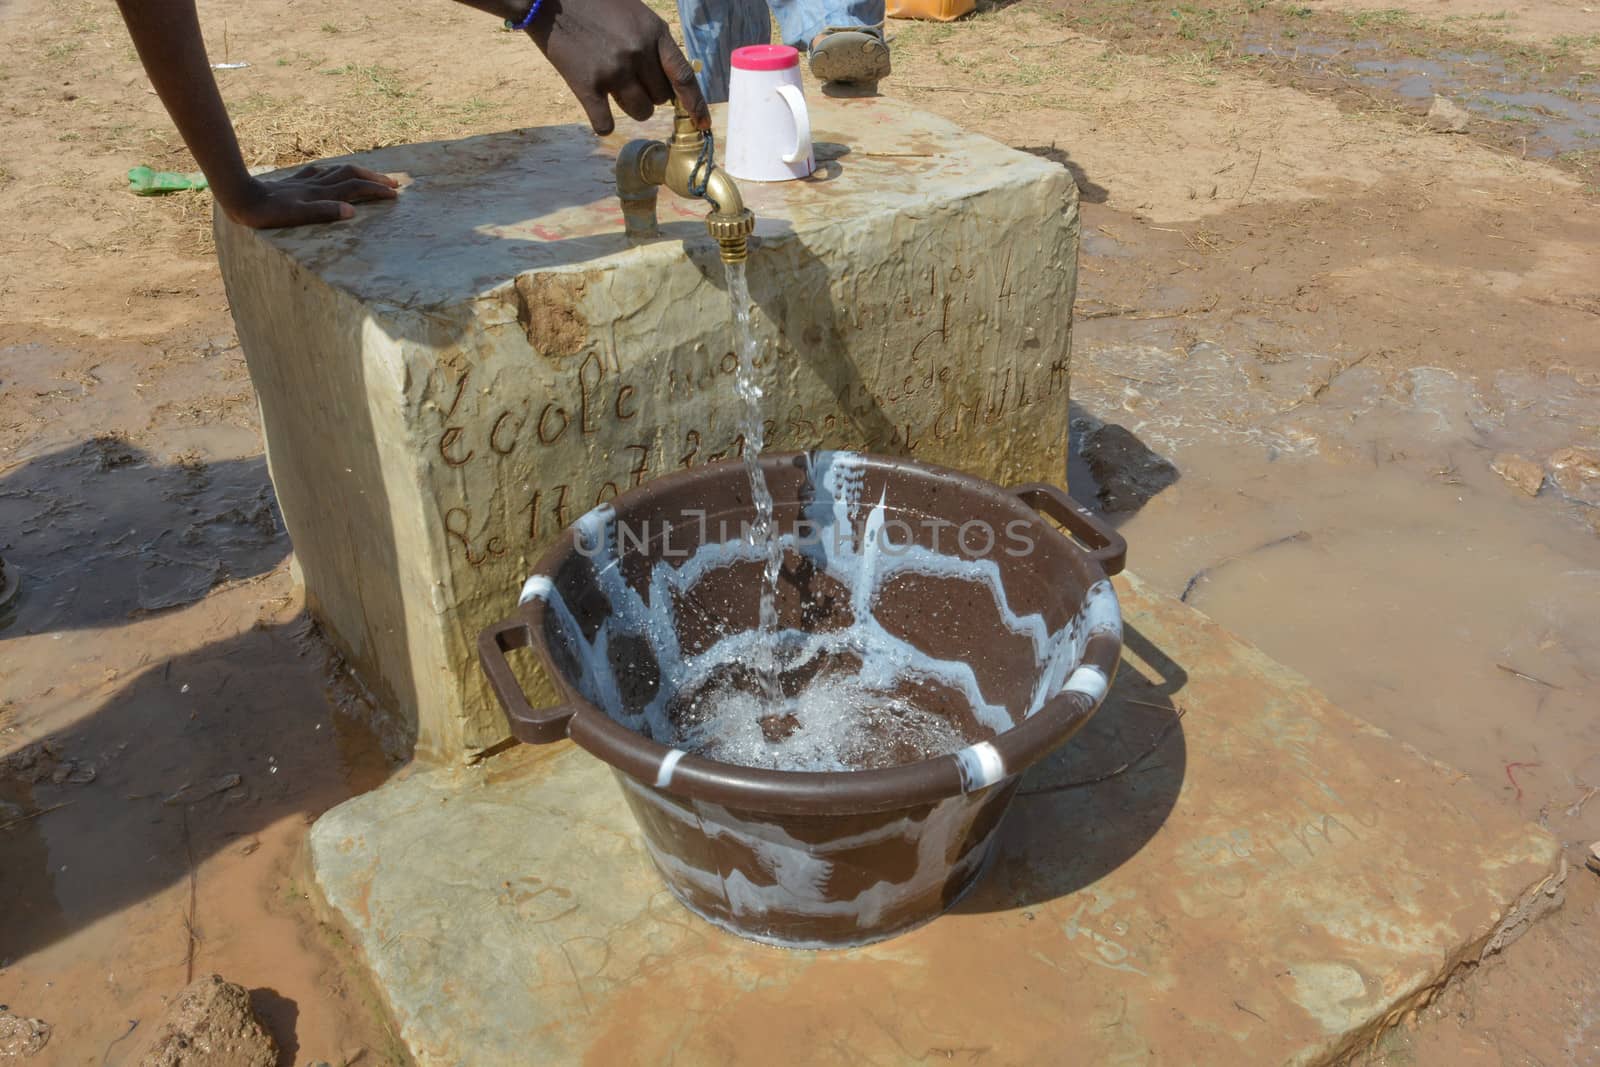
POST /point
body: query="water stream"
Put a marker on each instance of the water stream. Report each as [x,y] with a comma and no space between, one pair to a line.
[751,427]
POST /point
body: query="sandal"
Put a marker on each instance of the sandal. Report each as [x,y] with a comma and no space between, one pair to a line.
[852,55]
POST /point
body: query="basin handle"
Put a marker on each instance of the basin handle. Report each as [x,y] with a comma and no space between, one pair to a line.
[1106,547]
[527,725]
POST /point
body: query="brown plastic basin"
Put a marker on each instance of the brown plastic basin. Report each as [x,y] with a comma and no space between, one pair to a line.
[1010,627]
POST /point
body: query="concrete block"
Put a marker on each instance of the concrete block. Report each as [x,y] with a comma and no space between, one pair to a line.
[1265,880]
[447,381]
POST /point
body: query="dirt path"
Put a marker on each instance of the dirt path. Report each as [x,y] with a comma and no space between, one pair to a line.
[1328,319]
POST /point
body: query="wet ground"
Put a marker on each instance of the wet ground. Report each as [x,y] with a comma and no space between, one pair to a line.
[169,717]
[1307,330]
[1343,513]
[1547,112]
[1535,98]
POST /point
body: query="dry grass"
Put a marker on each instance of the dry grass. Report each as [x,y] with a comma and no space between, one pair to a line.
[372,107]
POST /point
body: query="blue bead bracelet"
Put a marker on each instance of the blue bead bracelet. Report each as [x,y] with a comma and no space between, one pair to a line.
[527,20]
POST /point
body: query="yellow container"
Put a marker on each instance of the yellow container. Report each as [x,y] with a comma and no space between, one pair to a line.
[937,10]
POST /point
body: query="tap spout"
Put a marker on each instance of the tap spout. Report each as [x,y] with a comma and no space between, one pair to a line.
[730,222]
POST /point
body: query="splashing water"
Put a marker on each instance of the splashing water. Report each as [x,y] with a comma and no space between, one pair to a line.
[835,722]
[761,531]
[855,696]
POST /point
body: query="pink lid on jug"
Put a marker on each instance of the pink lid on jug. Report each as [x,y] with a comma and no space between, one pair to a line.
[765,57]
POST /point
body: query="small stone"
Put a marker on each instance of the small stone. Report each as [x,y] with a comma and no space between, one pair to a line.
[1576,473]
[1525,474]
[211,1024]
[21,1038]
[1592,860]
[1447,116]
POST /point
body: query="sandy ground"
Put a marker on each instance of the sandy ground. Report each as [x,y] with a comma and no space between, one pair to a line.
[1329,318]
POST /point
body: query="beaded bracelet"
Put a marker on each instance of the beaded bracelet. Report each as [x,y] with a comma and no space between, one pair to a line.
[527,20]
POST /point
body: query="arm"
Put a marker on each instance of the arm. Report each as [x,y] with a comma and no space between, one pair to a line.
[609,48]
[167,36]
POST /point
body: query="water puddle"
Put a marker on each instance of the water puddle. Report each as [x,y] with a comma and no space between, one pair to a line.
[1556,113]
[1354,525]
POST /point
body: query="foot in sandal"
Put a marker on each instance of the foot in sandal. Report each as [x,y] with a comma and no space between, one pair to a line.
[850,55]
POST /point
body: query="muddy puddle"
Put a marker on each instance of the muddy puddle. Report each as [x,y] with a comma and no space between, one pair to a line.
[1532,100]
[1553,112]
[1349,522]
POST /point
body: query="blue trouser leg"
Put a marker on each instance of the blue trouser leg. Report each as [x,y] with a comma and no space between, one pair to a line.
[712,29]
[801,21]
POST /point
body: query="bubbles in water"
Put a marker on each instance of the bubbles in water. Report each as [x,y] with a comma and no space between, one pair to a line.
[833,723]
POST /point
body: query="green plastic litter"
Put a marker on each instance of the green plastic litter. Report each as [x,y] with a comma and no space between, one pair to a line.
[143,181]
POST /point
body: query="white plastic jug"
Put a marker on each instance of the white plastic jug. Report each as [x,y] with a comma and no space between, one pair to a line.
[769,131]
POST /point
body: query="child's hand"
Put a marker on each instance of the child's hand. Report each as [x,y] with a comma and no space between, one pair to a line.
[309,195]
[618,49]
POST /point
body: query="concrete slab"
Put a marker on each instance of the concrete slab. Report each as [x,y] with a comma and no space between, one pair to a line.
[447,381]
[1268,881]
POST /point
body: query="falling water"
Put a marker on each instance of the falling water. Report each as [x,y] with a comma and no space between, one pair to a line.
[761,531]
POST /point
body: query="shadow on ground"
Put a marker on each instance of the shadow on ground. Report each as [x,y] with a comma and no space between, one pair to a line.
[1111,471]
[191,755]
[1096,801]
[1088,191]
[101,532]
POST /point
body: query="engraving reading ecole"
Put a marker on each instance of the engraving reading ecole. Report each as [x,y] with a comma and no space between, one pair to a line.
[939,400]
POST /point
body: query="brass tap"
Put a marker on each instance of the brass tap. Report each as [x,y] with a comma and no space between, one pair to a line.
[685,166]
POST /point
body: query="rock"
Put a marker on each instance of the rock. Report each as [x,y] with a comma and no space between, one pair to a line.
[211,1024]
[34,764]
[193,794]
[1576,473]
[1592,860]
[1447,116]
[1126,470]
[1525,474]
[21,1038]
